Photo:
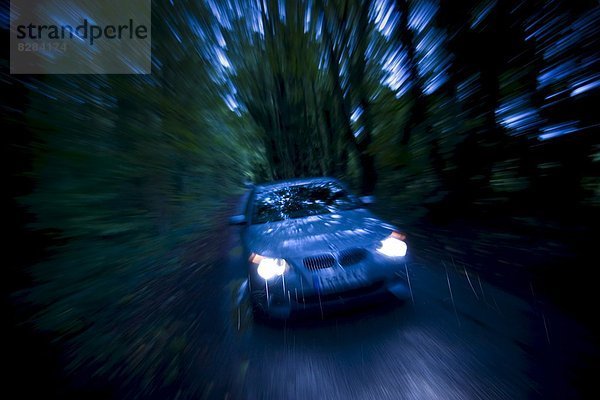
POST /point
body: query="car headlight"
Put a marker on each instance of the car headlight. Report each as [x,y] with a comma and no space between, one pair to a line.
[268,267]
[393,245]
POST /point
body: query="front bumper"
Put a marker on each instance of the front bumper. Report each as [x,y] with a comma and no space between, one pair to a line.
[295,304]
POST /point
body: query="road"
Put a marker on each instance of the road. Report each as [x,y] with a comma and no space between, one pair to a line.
[459,337]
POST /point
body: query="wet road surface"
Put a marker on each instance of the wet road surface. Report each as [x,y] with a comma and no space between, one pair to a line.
[457,338]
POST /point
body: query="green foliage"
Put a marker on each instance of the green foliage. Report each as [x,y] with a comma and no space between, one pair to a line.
[128,171]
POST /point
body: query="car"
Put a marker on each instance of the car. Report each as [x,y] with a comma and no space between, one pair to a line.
[311,245]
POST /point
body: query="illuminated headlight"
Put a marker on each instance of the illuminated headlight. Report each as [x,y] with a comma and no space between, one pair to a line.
[269,268]
[392,246]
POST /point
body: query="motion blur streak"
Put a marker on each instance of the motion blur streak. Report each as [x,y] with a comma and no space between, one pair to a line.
[475,124]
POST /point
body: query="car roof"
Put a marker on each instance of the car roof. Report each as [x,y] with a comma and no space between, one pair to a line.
[263,187]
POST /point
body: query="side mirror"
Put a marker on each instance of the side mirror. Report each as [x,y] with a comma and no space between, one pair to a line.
[367,200]
[237,220]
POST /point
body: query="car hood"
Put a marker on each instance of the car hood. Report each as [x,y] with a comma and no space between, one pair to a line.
[301,237]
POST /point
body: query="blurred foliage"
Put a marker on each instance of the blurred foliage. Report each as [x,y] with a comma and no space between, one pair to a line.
[127,171]
[440,108]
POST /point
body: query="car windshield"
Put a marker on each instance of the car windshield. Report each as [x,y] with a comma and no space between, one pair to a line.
[298,201]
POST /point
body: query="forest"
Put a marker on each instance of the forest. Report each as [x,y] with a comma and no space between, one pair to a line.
[477,110]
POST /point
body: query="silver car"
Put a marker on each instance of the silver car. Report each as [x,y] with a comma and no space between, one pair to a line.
[311,245]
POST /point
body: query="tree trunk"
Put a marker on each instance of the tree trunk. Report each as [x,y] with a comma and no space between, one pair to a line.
[405,37]
[358,84]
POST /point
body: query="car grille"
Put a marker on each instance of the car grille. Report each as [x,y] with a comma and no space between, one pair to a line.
[319,262]
[351,256]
